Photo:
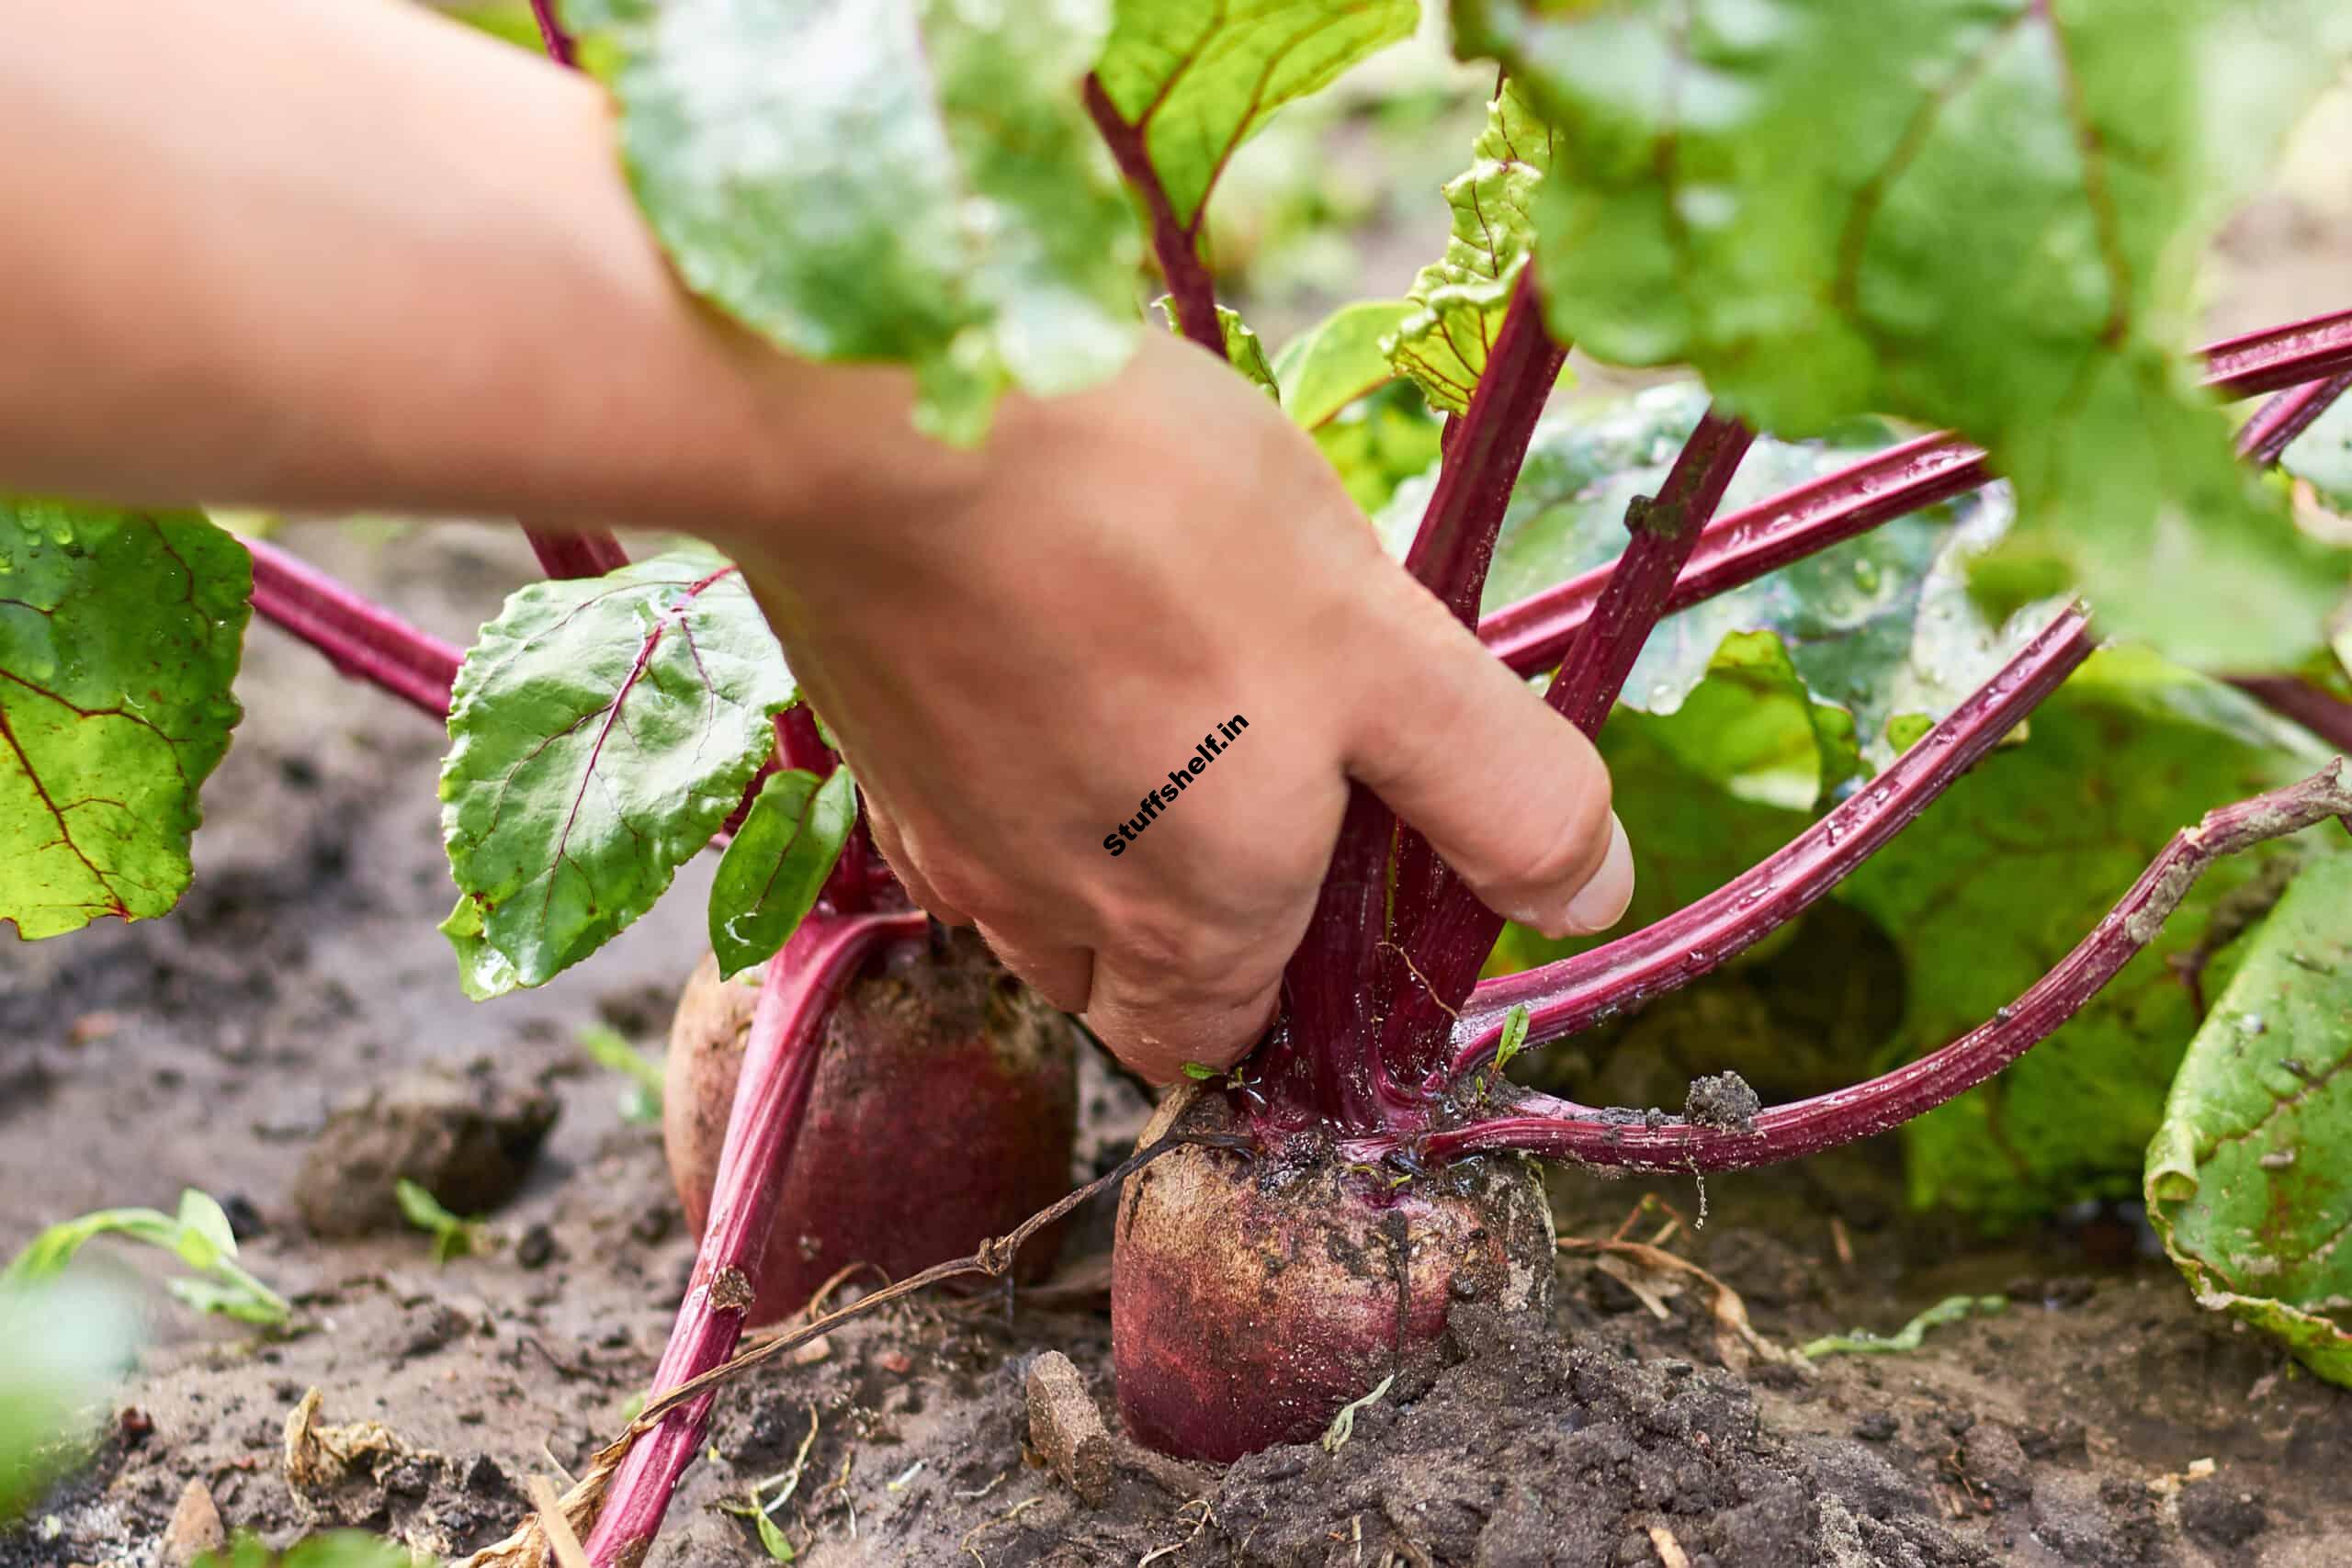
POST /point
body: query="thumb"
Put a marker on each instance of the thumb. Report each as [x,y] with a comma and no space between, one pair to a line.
[1507,791]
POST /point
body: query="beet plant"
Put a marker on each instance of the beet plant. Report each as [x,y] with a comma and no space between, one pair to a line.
[1810,622]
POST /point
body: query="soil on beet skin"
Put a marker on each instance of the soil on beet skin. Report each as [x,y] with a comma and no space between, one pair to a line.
[2101,1420]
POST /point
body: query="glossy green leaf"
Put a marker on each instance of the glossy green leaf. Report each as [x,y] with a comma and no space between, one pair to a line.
[2011,867]
[2249,1180]
[911,181]
[1197,78]
[1977,214]
[67,1343]
[602,730]
[1460,298]
[1338,360]
[772,873]
[1242,349]
[119,634]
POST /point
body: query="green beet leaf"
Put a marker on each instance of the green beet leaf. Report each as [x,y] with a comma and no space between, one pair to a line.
[909,181]
[772,873]
[2249,1178]
[1197,78]
[1242,349]
[1379,443]
[601,730]
[2011,867]
[1977,214]
[119,634]
[1338,361]
[1460,298]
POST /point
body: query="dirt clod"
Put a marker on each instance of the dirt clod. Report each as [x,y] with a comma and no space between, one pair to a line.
[1994,1463]
[1067,1429]
[1721,1099]
[2221,1515]
[467,1138]
[196,1527]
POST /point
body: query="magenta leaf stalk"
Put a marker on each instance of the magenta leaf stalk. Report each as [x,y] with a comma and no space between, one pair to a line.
[575,555]
[2288,414]
[1456,543]
[559,49]
[1450,940]
[797,992]
[1177,245]
[1354,964]
[1578,992]
[1542,1125]
[1665,529]
[364,641]
[2285,355]
[2292,697]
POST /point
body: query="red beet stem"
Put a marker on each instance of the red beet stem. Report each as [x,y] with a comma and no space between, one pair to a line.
[363,640]
[798,989]
[1449,940]
[1177,245]
[1578,992]
[575,555]
[1353,966]
[1555,1128]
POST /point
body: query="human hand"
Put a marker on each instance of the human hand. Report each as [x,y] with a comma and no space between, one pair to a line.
[1016,646]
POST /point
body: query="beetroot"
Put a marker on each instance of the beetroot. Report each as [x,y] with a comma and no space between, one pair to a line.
[946,1055]
[1251,1297]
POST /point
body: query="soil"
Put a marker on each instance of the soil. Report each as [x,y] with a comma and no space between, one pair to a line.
[2101,1419]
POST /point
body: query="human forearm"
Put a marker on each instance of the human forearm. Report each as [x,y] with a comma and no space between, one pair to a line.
[308,255]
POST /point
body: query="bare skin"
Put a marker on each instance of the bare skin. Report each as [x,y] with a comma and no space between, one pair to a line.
[353,256]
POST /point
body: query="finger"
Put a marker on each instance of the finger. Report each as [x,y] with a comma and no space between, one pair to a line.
[893,845]
[1063,975]
[1158,1023]
[1511,795]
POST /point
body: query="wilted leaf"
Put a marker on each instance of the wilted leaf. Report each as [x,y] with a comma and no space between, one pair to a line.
[2010,869]
[912,180]
[770,875]
[1460,298]
[2249,1180]
[1977,214]
[1338,360]
[601,729]
[119,634]
[1197,78]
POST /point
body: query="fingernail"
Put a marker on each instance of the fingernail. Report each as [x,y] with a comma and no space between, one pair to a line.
[1601,903]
